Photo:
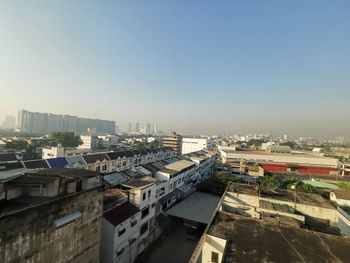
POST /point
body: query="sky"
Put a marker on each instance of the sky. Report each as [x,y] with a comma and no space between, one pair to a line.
[197,67]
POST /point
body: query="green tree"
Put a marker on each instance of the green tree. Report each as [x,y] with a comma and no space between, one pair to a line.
[66,139]
[271,181]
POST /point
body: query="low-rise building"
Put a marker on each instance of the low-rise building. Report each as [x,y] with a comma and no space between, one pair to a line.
[51,215]
[173,141]
[107,141]
[288,163]
[190,145]
[90,142]
[54,152]
[246,216]
[120,232]
[151,187]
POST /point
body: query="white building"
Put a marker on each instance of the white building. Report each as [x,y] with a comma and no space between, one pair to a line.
[54,152]
[245,219]
[190,145]
[120,231]
[108,140]
[89,142]
[266,145]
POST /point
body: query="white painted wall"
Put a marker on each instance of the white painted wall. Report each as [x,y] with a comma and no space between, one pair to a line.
[190,145]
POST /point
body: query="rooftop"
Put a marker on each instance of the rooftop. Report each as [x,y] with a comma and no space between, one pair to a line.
[33,180]
[114,179]
[121,213]
[252,240]
[198,207]
[93,158]
[320,184]
[140,182]
[300,157]
[58,162]
[169,171]
[180,165]
[342,193]
[283,195]
[7,157]
[65,172]
[34,164]
[7,174]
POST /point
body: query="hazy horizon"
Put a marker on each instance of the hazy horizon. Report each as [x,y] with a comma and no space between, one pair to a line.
[197,67]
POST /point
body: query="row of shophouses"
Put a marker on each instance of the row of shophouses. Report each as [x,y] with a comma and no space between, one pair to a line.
[100,207]
[140,197]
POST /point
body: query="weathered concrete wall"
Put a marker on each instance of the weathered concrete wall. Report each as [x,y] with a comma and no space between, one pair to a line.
[308,210]
[30,236]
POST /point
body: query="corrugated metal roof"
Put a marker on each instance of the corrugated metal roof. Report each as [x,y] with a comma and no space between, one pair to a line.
[59,162]
[114,179]
[320,184]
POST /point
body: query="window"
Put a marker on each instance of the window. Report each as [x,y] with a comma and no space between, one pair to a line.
[149,194]
[98,169]
[133,223]
[144,196]
[161,191]
[144,228]
[145,212]
[104,168]
[121,232]
[120,252]
[214,257]
[153,205]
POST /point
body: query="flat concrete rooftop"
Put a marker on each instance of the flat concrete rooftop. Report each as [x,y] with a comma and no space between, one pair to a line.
[303,154]
[291,158]
[282,195]
[252,240]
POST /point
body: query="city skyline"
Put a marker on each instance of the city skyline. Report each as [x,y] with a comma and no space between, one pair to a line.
[141,128]
[223,67]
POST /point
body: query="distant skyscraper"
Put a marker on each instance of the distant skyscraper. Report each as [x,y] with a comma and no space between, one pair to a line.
[155,130]
[137,127]
[48,123]
[9,122]
[130,127]
[148,128]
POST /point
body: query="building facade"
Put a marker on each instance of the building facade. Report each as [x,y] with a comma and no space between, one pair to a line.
[173,141]
[57,217]
[36,122]
[190,145]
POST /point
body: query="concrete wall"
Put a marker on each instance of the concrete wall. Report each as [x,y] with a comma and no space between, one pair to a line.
[308,210]
[213,244]
[107,245]
[31,236]
[344,222]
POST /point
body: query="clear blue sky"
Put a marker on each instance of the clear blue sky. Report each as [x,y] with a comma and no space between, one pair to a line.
[192,66]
